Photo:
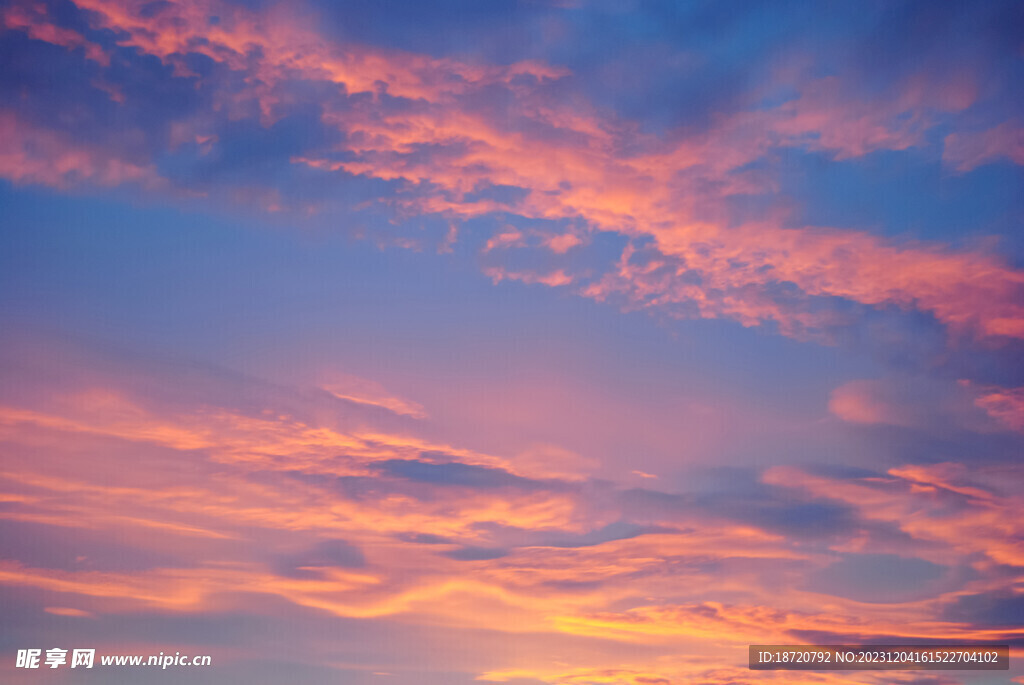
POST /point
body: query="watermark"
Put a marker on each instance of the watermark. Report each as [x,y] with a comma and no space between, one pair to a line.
[57,657]
[952,657]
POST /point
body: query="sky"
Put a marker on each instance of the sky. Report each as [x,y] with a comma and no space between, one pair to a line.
[529,342]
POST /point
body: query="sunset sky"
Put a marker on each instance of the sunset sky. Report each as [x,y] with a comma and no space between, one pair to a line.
[538,342]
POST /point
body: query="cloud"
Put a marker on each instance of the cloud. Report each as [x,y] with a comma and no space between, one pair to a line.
[970,149]
[30,154]
[475,554]
[421,136]
[33,19]
[323,555]
[356,522]
[878,578]
[455,474]
[910,402]
[553,278]
[963,510]
[998,608]
[1006,405]
[768,508]
[363,391]
[827,116]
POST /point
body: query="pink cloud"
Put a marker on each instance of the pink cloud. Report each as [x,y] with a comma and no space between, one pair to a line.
[1006,405]
[827,116]
[670,196]
[368,392]
[33,19]
[970,149]
[29,154]
[551,278]
[956,510]
[924,404]
[119,452]
[857,402]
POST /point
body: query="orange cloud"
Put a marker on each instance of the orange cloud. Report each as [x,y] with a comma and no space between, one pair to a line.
[550,555]
[363,391]
[967,512]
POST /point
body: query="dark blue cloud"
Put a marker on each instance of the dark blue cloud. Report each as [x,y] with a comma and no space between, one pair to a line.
[476,553]
[326,554]
[504,194]
[73,549]
[1002,609]
[811,519]
[878,578]
[510,536]
[456,474]
[424,538]
[778,510]
[619,530]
